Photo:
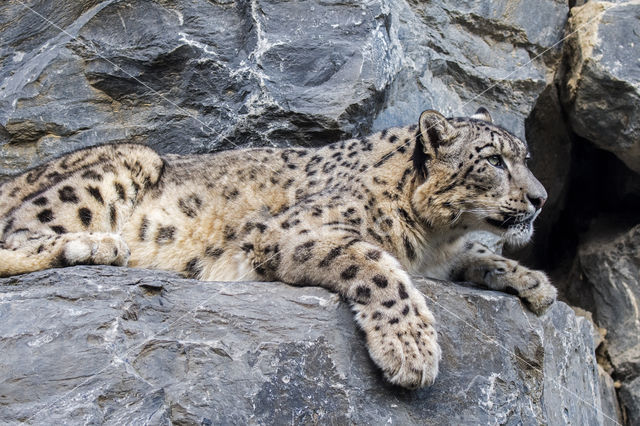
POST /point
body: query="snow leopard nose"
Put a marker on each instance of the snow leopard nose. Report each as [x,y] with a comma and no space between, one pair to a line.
[536,201]
[536,194]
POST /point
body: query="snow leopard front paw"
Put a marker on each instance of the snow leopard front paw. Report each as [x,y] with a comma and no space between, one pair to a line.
[534,288]
[480,265]
[402,340]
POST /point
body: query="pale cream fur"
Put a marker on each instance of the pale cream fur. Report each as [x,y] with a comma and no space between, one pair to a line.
[355,217]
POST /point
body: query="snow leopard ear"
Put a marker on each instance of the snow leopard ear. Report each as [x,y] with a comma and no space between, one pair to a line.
[482,114]
[435,130]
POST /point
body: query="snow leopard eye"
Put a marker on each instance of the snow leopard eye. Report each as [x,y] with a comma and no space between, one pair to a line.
[496,161]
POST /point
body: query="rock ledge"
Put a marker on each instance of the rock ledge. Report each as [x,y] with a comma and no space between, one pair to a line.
[104,344]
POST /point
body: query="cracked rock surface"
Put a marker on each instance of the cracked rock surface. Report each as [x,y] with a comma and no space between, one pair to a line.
[198,76]
[104,344]
[602,82]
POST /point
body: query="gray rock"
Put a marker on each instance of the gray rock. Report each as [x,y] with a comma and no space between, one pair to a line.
[114,345]
[611,267]
[462,55]
[570,395]
[200,76]
[602,82]
[612,414]
[630,399]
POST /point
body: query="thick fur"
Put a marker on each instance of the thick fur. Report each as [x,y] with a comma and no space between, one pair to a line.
[356,217]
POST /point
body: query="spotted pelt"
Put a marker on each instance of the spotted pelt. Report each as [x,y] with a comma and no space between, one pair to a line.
[356,217]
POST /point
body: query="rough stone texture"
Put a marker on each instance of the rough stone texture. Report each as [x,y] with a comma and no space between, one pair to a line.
[612,269]
[104,344]
[460,55]
[610,406]
[602,82]
[200,76]
[629,393]
[599,86]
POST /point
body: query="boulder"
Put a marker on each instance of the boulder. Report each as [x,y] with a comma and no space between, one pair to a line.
[610,405]
[611,268]
[601,85]
[611,412]
[200,76]
[630,399]
[115,345]
[458,56]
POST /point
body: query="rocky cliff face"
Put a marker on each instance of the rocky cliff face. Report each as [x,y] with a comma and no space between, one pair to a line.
[200,76]
[111,345]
